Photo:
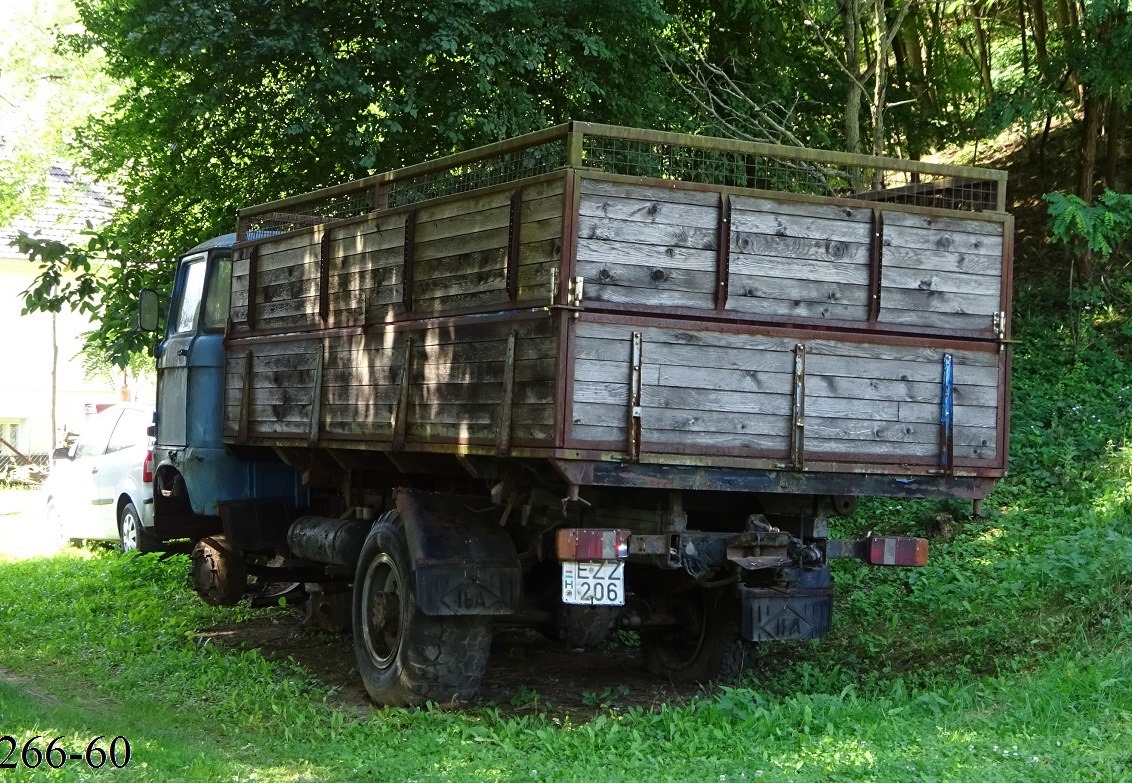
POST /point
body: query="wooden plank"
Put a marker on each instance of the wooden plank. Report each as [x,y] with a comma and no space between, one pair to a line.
[951,242]
[950,321]
[865,449]
[594,251]
[887,369]
[669,424]
[617,231]
[810,300]
[935,280]
[798,248]
[756,381]
[655,298]
[831,348]
[492,239]
[595,187]
[613,371]
[801,226]
[783,267]
[749,204]
[947,225]
[653,276]
[930,304]
[865,388]
[894,432]
[653,209]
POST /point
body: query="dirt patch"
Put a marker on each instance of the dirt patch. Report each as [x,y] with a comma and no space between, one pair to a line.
[526,672]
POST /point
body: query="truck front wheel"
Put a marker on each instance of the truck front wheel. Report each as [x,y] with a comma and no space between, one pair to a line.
[406,657]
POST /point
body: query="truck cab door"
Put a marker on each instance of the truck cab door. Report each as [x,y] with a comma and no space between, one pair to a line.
[190,361]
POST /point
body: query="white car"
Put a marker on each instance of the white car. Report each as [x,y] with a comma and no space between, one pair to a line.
[101,489]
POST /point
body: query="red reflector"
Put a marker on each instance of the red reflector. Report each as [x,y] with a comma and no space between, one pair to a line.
[581,543]
[896,551]
[147,467]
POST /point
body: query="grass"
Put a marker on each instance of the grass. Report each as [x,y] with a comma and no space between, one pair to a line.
[1008,658]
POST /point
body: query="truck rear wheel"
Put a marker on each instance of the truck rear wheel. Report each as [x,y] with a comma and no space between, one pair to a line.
[406,657]
[704,646]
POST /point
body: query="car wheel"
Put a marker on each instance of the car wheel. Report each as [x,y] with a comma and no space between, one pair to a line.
[132,535]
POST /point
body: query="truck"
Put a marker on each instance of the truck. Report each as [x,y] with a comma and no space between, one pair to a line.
[585,380]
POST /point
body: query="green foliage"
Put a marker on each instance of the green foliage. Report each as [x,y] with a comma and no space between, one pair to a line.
[1099,227]
[46,94]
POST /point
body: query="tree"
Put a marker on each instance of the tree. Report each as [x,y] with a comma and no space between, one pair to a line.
[44,95]
[234,102]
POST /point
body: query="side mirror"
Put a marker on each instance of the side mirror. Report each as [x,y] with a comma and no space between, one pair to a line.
[61,453]
[148,311]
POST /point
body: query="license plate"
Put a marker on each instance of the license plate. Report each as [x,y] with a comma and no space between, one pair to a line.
[593,583]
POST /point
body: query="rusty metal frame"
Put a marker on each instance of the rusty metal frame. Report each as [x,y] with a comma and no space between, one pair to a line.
[253,275]
[245,400]
[317,394]
[876,254]
[798,410]
[506,404]
[401,413]
[572,197]
[723,253]
[633,423]
[407,268]
[324,277]
[514,243]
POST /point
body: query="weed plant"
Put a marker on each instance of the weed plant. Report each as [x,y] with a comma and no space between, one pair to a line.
[1006,659]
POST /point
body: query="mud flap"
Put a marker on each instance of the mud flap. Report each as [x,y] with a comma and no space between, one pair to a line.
[464,563]
[797,613]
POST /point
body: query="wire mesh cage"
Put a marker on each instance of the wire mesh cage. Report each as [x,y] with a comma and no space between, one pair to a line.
[650,155]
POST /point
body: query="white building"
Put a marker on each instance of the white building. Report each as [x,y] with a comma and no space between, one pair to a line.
[40,363]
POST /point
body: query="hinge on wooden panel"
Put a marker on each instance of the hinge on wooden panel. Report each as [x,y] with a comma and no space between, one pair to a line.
[633,444]
[1000,323]
[576,293]
[573,294]
[798,411]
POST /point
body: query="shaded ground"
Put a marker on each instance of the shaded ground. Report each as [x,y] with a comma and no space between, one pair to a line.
[526,671]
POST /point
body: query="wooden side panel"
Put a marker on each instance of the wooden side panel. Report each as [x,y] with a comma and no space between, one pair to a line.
[286,283]
[799,260]
[646,245]
[698,388]
[714,393]
[885,401]
[459,263]
[804,260]
[944,273]
[453,391]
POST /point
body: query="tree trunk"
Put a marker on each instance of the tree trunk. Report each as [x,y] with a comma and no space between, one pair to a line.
[1040,28]
[851,27]
[1113,129]
[983,59]
[1086,173]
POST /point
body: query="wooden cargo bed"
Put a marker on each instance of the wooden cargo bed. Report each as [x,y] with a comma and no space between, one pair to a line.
[589,310]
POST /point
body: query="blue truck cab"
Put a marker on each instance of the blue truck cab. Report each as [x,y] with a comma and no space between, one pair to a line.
[196,476]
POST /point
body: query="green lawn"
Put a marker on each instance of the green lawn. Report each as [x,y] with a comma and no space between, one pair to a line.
[1008,658]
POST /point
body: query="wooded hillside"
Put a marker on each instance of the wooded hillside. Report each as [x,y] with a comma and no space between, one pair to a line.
[225,103]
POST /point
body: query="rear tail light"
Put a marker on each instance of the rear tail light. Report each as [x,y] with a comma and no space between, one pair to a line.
[896,551]
[575,543]
[147,467]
